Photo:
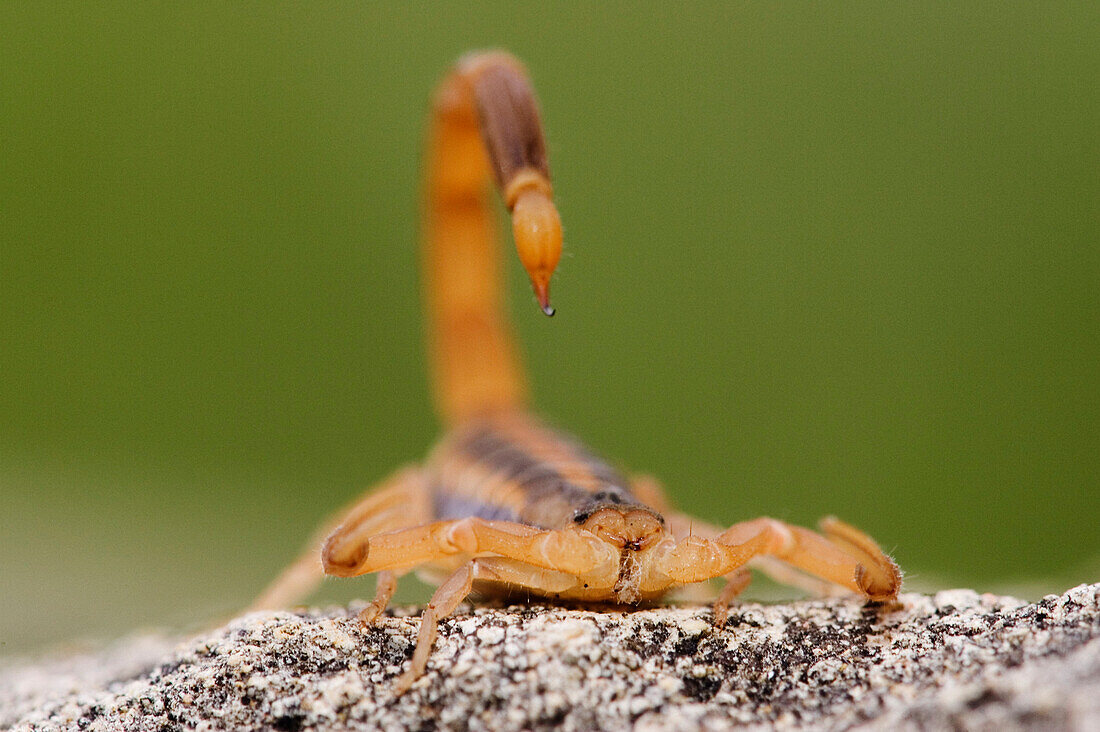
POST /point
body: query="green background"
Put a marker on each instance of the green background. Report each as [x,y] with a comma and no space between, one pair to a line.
[818,260]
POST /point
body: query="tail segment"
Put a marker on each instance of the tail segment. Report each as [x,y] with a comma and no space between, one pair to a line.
[484,121]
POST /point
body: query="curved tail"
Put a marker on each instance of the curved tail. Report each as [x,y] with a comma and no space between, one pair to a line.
[485,121]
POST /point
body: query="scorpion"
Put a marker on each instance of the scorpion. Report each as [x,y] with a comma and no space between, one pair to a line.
[506,505]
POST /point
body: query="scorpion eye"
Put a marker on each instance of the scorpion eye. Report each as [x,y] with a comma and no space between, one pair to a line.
[611,495]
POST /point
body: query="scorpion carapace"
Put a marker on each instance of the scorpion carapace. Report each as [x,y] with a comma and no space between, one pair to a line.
[505,504]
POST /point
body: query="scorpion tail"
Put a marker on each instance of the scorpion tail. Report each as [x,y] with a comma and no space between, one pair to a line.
[485,121]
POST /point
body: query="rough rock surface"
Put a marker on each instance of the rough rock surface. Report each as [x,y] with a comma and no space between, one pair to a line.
[956,659]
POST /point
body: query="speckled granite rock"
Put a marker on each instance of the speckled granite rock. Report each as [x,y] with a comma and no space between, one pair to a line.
[955,659]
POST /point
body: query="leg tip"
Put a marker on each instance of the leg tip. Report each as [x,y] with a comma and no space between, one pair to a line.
[879,588]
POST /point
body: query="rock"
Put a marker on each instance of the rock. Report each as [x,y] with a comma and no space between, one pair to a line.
[955,659]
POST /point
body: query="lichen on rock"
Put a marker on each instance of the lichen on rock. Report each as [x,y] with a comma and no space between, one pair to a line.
[956,658]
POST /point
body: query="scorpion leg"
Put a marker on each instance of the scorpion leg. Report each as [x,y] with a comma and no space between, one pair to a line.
[386,586]
[392,504]
[446,598]
[494,570]
[736,582]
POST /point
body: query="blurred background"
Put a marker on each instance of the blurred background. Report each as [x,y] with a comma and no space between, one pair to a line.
[819,260]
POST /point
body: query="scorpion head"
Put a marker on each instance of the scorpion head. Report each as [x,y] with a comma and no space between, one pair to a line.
[634,531]
[627,527]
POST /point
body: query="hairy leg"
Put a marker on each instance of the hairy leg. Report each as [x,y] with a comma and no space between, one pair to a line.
[387,585]
[736,582]
[446,598]
[495,571]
